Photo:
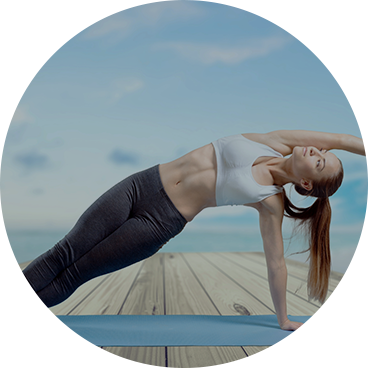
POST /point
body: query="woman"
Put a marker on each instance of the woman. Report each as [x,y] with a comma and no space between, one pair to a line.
[133,219]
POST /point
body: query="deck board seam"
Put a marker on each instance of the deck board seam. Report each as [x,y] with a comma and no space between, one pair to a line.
[131,286]
[245,352]
[200,284]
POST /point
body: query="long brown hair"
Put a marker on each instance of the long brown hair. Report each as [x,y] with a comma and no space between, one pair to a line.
[316,221]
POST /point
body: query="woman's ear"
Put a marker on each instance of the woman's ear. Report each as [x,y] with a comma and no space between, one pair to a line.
[306,184]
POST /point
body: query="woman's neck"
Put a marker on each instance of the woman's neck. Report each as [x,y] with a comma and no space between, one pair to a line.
[281,171]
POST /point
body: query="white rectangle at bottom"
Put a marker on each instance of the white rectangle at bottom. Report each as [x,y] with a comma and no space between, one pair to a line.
[59,361]
[307,361]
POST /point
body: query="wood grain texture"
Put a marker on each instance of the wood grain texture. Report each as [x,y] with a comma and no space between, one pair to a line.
[203,356]
[229,297]
[183,292]
[147,355]
[147,292]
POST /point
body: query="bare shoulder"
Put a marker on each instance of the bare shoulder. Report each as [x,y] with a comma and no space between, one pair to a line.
[273,205]
[271,139]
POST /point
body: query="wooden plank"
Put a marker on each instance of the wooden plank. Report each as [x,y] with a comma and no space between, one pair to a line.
[147,293]
[147,355]
[251,350]
[183,292]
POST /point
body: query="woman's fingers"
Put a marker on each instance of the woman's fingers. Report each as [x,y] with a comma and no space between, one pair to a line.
[291,325]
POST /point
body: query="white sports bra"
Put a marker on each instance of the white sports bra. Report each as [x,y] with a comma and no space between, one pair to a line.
[235,184]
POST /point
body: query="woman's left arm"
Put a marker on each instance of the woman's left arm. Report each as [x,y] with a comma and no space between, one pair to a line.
[284,141]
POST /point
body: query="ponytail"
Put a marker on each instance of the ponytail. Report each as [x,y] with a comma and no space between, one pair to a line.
[316,220]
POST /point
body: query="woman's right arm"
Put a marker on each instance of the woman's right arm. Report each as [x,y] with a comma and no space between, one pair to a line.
[270,220]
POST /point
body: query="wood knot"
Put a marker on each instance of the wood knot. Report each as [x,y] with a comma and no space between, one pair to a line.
[297,289]
[241,309]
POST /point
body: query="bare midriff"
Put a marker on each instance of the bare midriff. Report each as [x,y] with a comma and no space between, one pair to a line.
[190,181]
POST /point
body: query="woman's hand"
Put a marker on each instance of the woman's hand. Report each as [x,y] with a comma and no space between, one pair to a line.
[290,325]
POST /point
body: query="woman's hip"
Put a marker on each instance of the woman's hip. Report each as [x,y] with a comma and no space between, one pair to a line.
[153,203]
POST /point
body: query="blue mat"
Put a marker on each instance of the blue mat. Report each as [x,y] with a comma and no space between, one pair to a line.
[178,330]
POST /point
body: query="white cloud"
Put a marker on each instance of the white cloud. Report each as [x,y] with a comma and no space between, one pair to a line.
[120,25]
[121,87]
[110,25]
[11,115]
[210,53]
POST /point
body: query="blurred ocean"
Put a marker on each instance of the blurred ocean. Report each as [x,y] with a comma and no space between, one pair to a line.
[28,244]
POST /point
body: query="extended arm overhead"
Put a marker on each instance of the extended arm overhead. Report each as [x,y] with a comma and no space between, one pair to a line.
[284,141]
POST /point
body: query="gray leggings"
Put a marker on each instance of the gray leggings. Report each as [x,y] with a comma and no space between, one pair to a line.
[127,224]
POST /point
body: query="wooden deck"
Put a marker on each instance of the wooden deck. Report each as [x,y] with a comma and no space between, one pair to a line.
[191,283]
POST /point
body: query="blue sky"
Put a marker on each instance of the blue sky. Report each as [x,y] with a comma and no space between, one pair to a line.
[149,84]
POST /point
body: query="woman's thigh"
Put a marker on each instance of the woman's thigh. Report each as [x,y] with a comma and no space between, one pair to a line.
[135,240]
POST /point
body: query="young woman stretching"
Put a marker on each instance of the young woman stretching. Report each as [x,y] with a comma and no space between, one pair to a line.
[133,219]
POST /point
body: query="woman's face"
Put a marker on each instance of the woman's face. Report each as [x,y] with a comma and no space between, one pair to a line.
[313,165]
